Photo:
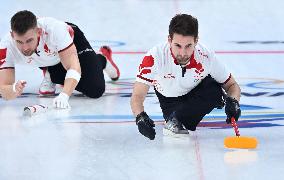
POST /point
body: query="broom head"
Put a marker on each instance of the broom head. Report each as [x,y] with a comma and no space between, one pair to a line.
[240,142]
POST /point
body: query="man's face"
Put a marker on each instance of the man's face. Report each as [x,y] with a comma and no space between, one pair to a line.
[182,47]
[27,43]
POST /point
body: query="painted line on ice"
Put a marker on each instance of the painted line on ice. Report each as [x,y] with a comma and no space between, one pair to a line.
[217,52]
[214,117]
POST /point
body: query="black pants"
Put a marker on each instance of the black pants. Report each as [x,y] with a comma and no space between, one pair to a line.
[193,106]
[92,82]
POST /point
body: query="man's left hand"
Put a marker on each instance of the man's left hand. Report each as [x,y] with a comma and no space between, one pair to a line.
[61,101]
[146,125]
[232,109]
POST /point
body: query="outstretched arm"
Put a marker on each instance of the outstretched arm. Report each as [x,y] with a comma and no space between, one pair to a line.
[232,107]
[232,89]
[70,62]
[140,91]
[8,88]
[143,121]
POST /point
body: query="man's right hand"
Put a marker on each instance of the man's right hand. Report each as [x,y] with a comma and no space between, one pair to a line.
[19,86]
[9,92]
[145,125]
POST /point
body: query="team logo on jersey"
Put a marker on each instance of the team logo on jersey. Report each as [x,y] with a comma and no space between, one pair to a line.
[204,55]
[30,59]
[48,51]
[169,76]
[145,66]
[194,65]
[3,53]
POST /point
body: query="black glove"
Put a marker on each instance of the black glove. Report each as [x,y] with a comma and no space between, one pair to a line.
[145,125]
[232,109]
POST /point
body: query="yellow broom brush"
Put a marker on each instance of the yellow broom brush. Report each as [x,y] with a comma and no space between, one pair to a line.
[238,141]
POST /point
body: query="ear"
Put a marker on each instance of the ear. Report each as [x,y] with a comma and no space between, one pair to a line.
[12,34]
[196,40]
[169,39]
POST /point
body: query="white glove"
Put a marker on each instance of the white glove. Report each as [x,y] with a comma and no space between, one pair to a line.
[61,101]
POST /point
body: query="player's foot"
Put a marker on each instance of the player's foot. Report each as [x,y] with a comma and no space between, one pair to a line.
[47,87]
[111,68]
[173,126]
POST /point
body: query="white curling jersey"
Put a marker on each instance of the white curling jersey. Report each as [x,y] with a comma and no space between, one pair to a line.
[160,69]
[55,37]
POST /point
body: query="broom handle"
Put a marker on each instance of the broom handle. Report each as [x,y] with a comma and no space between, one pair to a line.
[235,126]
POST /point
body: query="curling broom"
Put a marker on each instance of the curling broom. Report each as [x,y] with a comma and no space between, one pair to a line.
[238,141]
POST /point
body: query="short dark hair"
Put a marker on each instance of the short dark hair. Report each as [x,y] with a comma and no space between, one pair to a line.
[22,21]
[183,24]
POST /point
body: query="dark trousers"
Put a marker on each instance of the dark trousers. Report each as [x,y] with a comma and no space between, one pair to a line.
[193,106]
[92,82]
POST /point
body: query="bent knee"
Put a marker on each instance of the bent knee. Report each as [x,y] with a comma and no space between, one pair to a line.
[95,93]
